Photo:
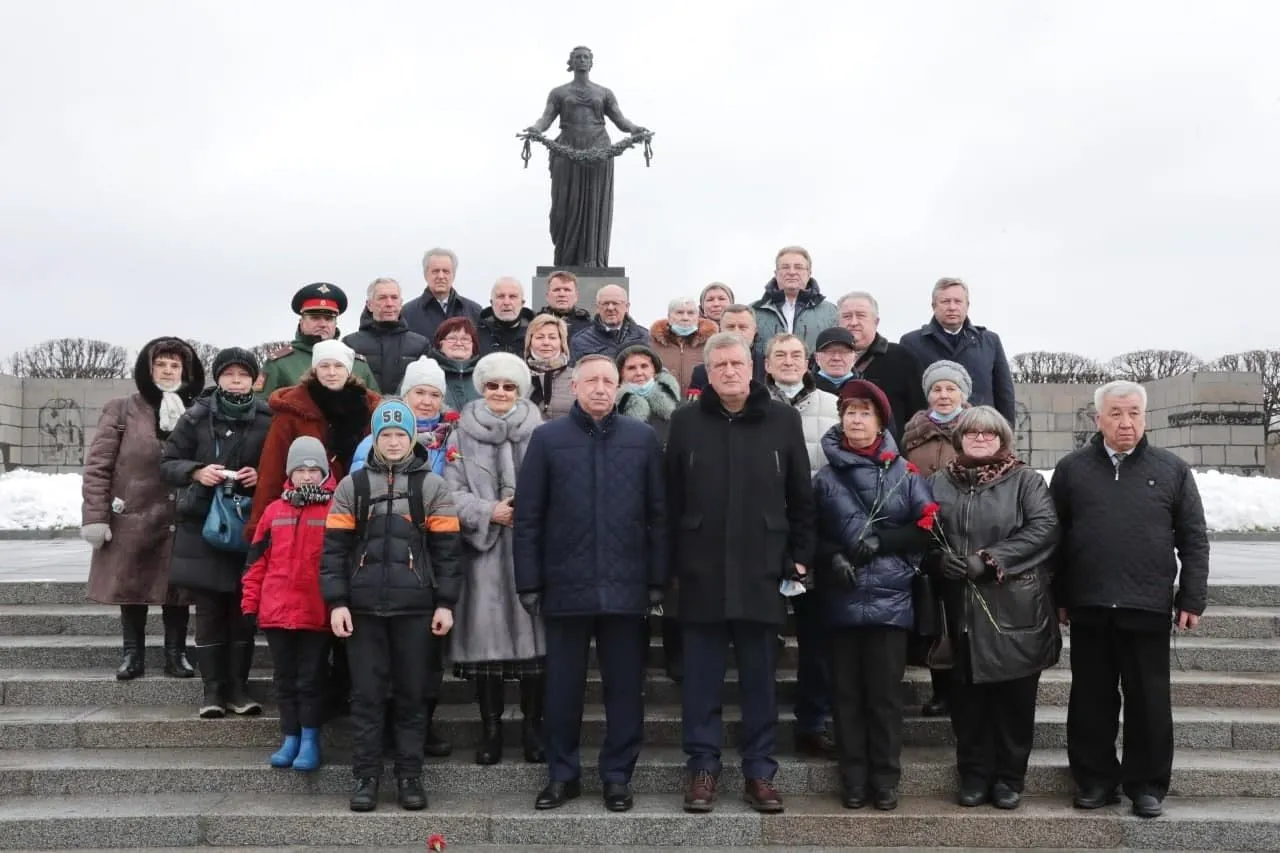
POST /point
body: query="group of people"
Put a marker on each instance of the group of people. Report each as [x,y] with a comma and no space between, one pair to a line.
[355,501]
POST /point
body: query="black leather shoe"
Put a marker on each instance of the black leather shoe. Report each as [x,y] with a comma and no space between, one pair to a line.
[365,797]
[887,799]
[972,795]
[1096,798]
[617,797]
[1004,797]
[935,707]
[556,794]
[410,794]
[853,798]
[815,744]
[1147,805]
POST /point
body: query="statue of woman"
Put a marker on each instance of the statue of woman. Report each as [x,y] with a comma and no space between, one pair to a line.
[582,188]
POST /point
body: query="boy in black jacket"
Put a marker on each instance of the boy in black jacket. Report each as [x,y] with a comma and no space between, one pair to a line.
[391,576]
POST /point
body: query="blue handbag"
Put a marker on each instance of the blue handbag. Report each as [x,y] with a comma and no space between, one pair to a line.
[228,512]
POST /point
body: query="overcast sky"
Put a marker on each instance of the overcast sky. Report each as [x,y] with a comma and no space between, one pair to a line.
[1105,175]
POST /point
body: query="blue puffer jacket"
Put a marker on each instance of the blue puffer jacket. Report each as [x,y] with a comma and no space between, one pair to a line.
[845,492]
[591,525]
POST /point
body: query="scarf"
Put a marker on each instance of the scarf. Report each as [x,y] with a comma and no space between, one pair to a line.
[980,471]
[502,433]
[234,407]
[307,494]
[171,406]
[346,414]
[546,365]
[872,452]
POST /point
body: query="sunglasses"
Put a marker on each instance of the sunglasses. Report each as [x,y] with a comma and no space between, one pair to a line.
[509,387]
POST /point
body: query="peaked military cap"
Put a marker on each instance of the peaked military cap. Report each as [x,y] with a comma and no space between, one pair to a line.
[320,296]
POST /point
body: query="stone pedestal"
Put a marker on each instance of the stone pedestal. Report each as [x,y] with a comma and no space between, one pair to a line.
[590,280]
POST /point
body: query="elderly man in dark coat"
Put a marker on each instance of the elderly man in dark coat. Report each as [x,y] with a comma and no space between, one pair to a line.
[742,515]
[591,555]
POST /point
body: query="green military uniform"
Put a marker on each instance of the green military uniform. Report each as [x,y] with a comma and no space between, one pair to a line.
[285,366]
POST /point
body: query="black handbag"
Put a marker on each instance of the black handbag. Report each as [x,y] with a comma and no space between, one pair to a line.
[927,606]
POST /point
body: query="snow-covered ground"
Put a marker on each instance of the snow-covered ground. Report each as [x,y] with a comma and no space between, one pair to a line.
[31,501]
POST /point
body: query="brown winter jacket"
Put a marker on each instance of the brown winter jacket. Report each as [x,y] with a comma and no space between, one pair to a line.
[123,462]
[680,355]
[928,444]
[295,414]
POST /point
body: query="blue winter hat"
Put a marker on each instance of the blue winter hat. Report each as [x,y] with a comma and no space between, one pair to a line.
[393,413]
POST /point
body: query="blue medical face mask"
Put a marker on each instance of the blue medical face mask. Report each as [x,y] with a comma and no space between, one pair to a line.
[683,331]
[642,390]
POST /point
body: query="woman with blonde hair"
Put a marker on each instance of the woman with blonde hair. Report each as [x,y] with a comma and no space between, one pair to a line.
[546,352]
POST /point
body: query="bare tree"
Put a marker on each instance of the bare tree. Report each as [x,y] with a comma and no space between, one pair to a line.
[72,358]
[206,353]
[1058,367]
[1148,365]
[268,348]
[1265,363]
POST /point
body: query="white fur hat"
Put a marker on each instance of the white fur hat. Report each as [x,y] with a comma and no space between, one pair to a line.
[503,365]
[333,350]
[424,371]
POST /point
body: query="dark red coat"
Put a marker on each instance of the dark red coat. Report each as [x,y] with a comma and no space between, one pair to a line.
[282,585]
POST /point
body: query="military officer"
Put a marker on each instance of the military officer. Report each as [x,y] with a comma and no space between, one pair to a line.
[317,306]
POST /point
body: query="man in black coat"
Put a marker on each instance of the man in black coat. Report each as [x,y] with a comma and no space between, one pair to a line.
[503,324]
[740,320]
[562,301]
[1130,513]
[591,555]
[384,340]
[741,507]
[439,301]
[951,336]
[891,367]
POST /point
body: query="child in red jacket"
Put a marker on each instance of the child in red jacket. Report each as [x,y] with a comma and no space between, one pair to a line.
[282,592]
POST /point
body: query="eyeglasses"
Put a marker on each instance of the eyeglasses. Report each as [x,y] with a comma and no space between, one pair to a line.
[509,387]
[982,435]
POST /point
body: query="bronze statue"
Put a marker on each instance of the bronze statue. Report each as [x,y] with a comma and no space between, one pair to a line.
[582,163]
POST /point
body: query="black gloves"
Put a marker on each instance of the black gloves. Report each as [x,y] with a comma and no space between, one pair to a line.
[957,568]
[531,602]
[250,621]
[844,570]
[865,550]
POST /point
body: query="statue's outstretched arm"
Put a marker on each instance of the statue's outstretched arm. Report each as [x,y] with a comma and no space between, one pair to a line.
[614,112]
[548,115]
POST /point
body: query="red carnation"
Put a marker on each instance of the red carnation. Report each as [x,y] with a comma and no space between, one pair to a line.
[453,455]
[912,468]
[693,393]
[928,516]
[888,456]
[435,843]
[449,417]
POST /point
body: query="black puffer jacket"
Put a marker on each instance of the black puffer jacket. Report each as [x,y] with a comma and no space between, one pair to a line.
[1125,530]
[388,346]
[500,336]
[1009,614]
[191,445]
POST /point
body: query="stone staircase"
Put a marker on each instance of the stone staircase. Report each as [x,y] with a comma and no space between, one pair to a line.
[88,762]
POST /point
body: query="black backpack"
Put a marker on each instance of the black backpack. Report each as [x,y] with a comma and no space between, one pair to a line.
[360,479]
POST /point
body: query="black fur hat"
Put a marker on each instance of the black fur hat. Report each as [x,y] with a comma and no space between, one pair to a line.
[236,355]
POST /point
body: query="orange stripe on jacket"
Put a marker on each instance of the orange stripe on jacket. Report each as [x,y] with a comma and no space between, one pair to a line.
[443,524]
[340,521]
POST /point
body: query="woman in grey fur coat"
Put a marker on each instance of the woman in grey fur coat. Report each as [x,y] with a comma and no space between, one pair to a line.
[647,391]
[495,639]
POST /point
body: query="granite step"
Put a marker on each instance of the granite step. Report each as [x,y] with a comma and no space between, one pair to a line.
[85,620]
[167,820]
[99,687]
[35,727]
[53,651]
[927,771]
[73,592]
[608,848]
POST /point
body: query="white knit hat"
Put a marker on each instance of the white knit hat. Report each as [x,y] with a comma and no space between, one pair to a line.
[503,365]
[424,371]
[334,350]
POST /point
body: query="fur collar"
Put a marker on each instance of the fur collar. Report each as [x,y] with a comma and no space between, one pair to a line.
[487,428]
[661,402]
[663,336]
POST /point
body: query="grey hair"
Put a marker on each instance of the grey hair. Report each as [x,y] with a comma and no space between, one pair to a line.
[982,419]
[860,294]
[724,340]
[440,253]
[945,283]
[507,279]
[587,359]
[368,294]
[1119,388]
[682,301]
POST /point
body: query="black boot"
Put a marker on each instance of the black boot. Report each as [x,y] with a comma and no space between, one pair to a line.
[212,661]
[489,697]
[133,627]
[938,704]
[531,697]
[239,659]
[434,746]
[175,642]
[338,682]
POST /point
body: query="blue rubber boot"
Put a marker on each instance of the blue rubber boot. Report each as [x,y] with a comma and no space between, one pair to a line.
[288,751]
[309,754]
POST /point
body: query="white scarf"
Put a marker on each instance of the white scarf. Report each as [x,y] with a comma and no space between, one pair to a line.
[171,406]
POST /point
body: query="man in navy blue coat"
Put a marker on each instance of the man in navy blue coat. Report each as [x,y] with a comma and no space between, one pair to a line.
[591,556]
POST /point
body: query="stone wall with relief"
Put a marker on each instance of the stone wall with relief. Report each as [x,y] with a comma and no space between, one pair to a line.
[47,424]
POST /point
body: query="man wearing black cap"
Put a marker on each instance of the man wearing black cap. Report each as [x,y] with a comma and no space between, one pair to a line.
[317,306]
